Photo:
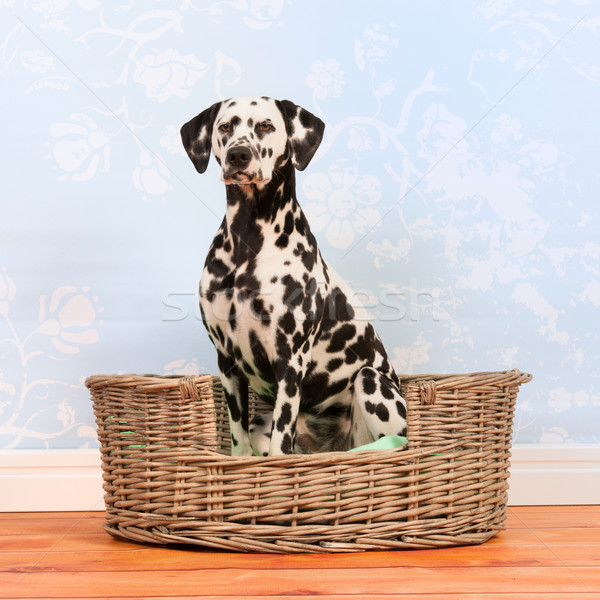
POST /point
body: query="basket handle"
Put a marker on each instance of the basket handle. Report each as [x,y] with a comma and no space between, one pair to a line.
[188,388]
[206,436]
[427,392]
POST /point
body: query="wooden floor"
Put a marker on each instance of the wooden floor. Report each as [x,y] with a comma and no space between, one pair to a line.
[546,553]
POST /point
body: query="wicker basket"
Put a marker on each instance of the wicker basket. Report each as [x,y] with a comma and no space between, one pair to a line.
[169,479]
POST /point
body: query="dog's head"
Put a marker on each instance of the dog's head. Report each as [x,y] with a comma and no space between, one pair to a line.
[251,137]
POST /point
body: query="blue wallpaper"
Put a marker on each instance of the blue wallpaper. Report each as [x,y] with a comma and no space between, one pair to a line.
[456,189]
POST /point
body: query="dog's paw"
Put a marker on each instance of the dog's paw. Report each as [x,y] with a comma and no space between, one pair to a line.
[260,434]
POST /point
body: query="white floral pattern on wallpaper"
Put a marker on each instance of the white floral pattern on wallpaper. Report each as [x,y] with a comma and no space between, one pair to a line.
[341,203]
[455,188]
[34,407]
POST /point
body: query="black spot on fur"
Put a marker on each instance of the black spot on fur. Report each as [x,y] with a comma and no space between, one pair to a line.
[369,385]
[314,388]
[307,309]
[285,418]
[219,334]
[288,323]
[298,340]
[382,412]
[386,389]
[286,444]
[337,387]
[288,226]
[339,338]
[218,241]
[362,348]
[258,306]
[260,358]
[232,317]
[309,259]
[234,409]
[308,256]
[301,225]
[343,311]
[293,294]
[378,409]
[401,409]
[217,267]
[334,363]
[291,379]
[336,310]
[284,352]
[351,356]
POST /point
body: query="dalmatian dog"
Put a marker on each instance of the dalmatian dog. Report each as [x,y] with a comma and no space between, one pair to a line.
[279,317]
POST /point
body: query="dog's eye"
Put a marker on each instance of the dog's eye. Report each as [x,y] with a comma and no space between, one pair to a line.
[266,126]
[224,127]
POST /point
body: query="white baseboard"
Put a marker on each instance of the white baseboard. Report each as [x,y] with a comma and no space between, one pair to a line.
[50,480]
[554,474]
[71,480]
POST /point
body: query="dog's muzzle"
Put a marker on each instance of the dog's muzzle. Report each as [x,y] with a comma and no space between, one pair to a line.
[237,161]
[239,157]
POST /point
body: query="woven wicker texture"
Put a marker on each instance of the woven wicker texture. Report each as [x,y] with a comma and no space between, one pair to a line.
[169,479]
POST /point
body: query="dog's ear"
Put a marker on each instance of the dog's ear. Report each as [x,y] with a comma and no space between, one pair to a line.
[196,136]
[305,132]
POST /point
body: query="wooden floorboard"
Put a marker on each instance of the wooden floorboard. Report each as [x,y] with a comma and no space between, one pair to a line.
[545,553]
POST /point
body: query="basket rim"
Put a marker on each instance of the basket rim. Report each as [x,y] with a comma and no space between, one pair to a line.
[514,375]
[147,379]
[151,383]
[132,379]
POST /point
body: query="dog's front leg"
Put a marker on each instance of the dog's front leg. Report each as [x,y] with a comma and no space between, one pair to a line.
[285,412]
[283,432]
[235,388]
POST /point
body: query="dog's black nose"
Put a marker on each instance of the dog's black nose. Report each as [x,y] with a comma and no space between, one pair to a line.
[239,156]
